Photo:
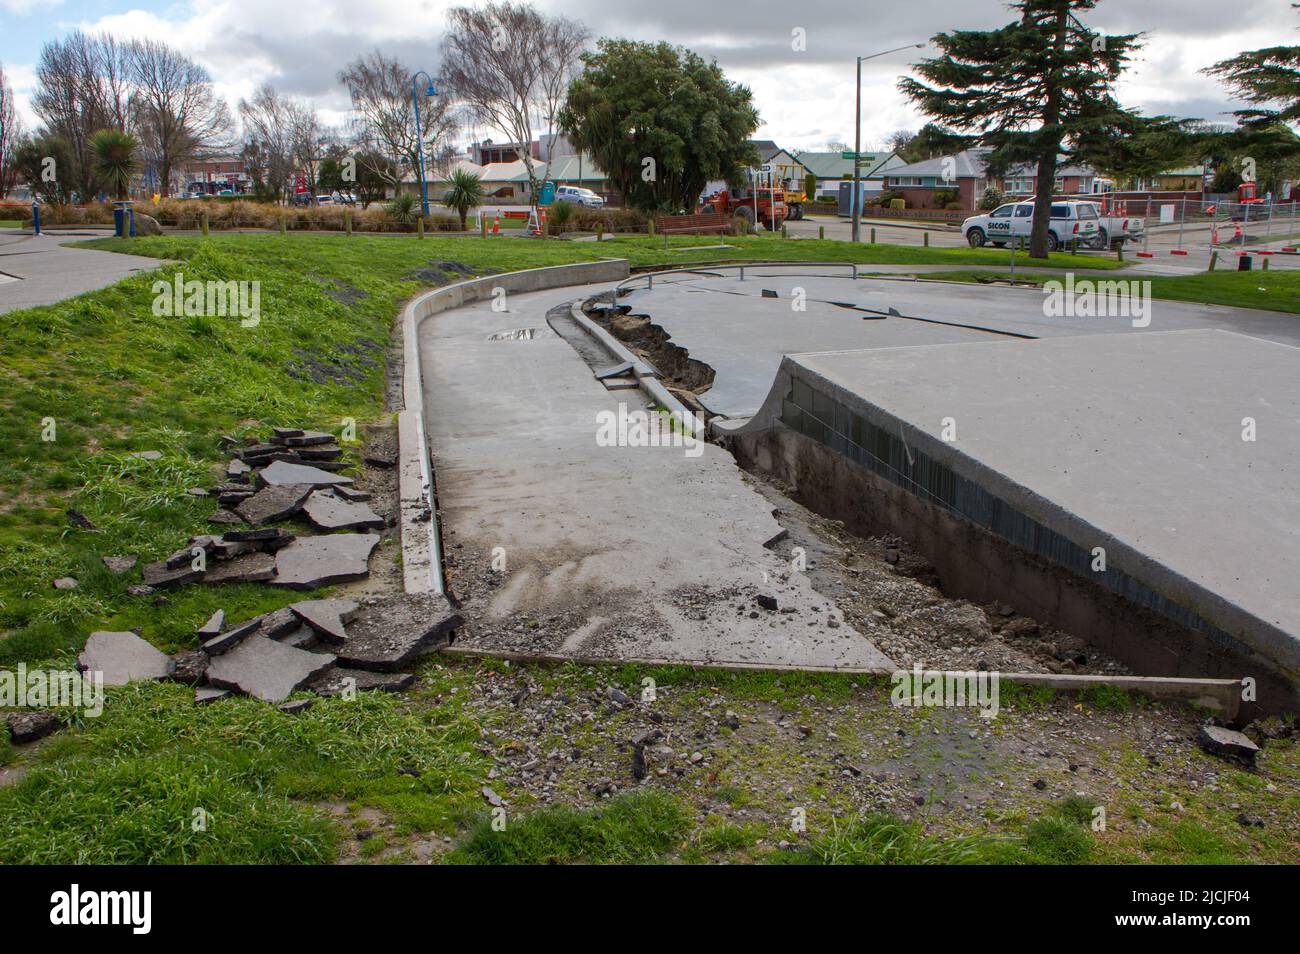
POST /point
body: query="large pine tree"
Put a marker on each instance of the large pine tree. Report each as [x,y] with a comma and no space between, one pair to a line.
[1267,78]
[1035,91]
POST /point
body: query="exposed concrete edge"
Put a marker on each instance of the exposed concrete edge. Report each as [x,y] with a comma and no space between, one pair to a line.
[611,344]
[421,546]
[1219,695]
[1278,650]
[646,375]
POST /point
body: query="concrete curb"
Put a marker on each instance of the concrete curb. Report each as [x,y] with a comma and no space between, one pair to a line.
[1218,695]
[421,544]
[646,375]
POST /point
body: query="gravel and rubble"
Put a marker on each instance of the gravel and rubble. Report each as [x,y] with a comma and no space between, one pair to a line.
[566,735]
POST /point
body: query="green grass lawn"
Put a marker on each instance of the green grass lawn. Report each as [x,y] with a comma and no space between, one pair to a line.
[10,224]
[114,378]
[1274,290]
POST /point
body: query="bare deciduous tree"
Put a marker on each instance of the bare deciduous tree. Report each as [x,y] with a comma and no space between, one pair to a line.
[11,132]
[269,139]
[177,113]
[83,87]
[383,121]
[510,66]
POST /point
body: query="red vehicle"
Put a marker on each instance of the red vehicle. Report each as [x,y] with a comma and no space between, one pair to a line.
[1246,193]
[743,202]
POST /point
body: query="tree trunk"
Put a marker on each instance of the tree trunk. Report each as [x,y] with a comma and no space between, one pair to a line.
[1051,144]
[1043,202]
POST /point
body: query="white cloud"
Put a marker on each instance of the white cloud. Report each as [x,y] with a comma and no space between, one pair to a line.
[23,7]
[804,98]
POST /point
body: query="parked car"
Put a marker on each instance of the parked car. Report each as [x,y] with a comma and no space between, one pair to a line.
[324,199]
[579,196]
[1071,222]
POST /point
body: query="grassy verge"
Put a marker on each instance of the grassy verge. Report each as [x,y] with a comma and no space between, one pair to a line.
[1271,291]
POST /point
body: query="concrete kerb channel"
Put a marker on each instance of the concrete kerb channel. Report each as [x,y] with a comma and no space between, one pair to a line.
[420,536]
[421,543]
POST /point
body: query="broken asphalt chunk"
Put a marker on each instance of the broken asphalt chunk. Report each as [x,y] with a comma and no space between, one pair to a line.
[328,512]
[327,617]
[280,474]
[387,633]
[120,564]
[266,669]
[256,567]
[308,438]
[161,577]
[310,562]
[276,502]
[213,626]
[340,681]
[1226,742]
[27,727]
[232,637]
[190,668]
[123,658]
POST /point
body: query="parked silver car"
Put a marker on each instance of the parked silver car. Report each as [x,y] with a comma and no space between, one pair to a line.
[579,196]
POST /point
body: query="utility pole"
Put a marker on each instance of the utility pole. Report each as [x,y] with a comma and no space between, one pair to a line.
[855,204]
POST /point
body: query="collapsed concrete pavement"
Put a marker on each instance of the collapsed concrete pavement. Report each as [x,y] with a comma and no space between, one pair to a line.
[558,546]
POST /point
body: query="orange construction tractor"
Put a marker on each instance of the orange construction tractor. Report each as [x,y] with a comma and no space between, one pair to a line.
[767,203]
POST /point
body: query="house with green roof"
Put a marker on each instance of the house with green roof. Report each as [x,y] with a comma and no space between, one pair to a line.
[831,168]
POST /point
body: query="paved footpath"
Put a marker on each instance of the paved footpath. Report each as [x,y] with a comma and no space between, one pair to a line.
[41,269]
[610,552]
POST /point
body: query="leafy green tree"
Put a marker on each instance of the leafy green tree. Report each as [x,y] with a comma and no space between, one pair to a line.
[466,193]
[660,121]
[1033,90]
[374,173]
[329,176]
[1139,147]
[933,140]
[30,159]
[116,159]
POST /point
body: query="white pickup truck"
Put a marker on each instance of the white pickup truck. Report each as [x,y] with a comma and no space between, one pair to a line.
[1071,222]
[1115,230]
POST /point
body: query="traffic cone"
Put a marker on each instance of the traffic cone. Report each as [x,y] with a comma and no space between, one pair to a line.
[496,225]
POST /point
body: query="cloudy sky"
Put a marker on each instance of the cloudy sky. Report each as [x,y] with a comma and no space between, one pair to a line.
[805,98]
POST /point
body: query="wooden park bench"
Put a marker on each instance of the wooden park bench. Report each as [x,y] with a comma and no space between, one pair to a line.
[703,222]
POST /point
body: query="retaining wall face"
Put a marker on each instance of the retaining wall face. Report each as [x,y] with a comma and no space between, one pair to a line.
[977,565]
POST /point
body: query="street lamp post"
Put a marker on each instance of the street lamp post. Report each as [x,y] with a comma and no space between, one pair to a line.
[419,137]
[856,202]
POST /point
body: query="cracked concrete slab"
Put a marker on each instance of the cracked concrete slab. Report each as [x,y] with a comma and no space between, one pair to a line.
[611,552]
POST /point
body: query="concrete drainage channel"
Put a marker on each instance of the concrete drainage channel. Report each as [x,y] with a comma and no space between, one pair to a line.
[421,543]
[617,367]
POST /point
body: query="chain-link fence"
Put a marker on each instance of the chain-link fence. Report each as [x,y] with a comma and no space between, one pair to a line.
[1179,220]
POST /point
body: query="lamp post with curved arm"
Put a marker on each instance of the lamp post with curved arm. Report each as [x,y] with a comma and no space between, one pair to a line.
[419,137]
[856,203]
